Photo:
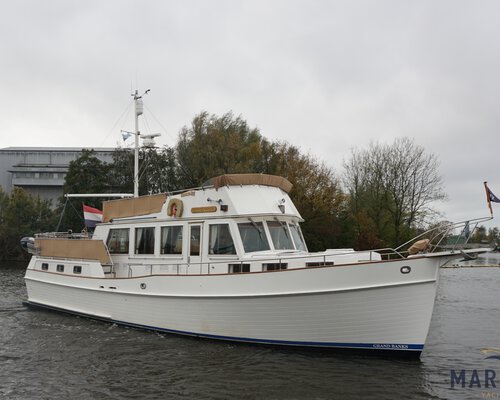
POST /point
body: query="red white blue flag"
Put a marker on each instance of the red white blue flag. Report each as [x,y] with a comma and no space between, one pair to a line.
[490,197]
[92,216]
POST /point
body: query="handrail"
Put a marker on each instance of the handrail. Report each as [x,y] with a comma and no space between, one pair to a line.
[443,230]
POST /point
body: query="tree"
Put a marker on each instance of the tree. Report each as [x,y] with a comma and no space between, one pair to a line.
[86,174]
[394,186]
[316,193]
[213,146]
[21,214]
[158,171]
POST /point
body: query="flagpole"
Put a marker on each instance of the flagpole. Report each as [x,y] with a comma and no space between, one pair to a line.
[488,197]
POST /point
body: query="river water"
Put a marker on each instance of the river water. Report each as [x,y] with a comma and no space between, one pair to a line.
[47,355]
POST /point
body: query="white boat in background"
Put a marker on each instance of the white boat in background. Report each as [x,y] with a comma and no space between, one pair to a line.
[228,261]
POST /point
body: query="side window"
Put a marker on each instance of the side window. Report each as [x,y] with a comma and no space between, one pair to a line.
[145,240]
[171,240]
[118,240]
[279,235]
[297,237]
[221,241]
[253,236]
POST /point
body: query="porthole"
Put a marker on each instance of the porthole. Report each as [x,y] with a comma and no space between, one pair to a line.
[405,270]
[143,286]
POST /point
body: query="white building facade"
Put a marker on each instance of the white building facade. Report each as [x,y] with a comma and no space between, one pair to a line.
[41,170]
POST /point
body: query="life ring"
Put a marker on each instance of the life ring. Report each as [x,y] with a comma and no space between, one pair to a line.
[175,208]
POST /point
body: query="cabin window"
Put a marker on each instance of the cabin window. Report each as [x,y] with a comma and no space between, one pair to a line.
[60,268]
[77,269]
[194,246]
[297,237]
[45,266]
[238,268]
[221,241]
[171,240]
[279,235]
[274,266]
[253,236]
[118,240]
[145,240]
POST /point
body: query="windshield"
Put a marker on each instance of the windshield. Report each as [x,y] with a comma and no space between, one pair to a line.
[253,236]
[280,235]
[297,237]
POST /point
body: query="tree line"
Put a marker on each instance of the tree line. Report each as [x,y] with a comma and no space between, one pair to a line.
[383,196]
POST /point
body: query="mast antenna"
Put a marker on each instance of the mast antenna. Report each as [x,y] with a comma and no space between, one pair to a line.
[139,109]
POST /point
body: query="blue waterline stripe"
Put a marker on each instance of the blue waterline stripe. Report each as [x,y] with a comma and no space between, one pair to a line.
[372,346]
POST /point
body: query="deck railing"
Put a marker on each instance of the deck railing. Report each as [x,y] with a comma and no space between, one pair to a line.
[445,236]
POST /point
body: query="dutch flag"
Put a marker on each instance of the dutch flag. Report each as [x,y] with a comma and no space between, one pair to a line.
[92,216]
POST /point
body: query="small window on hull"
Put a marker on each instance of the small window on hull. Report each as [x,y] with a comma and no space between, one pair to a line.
[45,266]
[320,264]
[274,266]
[238,268]
[60,268]
[77,269]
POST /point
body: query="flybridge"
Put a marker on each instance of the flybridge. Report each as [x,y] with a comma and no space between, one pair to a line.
[223,196]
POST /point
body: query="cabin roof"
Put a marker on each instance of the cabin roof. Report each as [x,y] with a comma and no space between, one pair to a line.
[250,179]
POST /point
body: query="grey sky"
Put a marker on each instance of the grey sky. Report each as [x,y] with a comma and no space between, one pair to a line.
[324,75]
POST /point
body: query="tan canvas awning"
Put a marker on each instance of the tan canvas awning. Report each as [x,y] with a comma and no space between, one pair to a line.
[251,179]
[133,206]
[81,249]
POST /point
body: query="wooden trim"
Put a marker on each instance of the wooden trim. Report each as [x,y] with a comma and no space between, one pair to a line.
[206,209]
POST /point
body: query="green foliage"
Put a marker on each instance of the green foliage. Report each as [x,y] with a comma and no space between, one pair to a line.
[21,215]
[316,193]
[213,146]
[86,174]
[486,236]
[391,191]
[157,171]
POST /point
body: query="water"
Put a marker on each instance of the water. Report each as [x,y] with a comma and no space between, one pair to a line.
[46,355]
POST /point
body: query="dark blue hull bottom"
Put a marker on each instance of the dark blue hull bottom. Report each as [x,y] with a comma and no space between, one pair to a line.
[391,350]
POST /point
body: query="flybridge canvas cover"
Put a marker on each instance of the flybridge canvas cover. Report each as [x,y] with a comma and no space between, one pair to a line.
[133,206]
[81,249]
[250,179]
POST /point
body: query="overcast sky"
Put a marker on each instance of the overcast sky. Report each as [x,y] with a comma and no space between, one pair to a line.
[327,76]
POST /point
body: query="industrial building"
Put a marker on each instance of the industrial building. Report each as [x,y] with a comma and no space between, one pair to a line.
[41,170]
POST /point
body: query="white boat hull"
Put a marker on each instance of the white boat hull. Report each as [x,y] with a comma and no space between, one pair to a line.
[367,306]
